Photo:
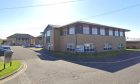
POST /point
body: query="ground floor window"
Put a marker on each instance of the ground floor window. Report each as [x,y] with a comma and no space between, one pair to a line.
[89,47]
[107,46]
[49,45]
[71,47]
[80,48]
[120,46]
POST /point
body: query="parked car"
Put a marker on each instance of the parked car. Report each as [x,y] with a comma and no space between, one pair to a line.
[4,48]
[26,45]
[39,46]
[1,51]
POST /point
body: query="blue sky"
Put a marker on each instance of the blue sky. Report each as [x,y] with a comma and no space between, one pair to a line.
[33,20]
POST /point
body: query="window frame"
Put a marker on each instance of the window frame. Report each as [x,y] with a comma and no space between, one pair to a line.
[102,31]
[48,33]
[71,30]
[94,31]
[70,46]
[86,29]
[110,32]
[89,47]
[116,33]
[121,33]
[107,46]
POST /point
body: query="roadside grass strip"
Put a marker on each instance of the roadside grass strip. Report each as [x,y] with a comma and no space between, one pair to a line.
[100,55]
[9,69]
[36,49]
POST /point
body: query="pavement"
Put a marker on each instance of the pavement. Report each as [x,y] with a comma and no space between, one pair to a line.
[50,70]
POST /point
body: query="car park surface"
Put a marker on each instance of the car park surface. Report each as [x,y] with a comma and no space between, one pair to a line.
[50,70]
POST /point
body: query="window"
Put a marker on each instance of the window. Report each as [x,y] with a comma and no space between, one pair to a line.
[111,32]
[79,48]
[120,46]
[48,39]
[116,33]
[121,33]
[48,33]
[86,29]
[107,46]
[102,31]
[64,32]
[71,47]
[88,47]
[71,30]
[94,31]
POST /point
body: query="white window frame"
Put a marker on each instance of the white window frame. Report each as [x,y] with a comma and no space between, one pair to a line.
[48,33]
[120,46]
[89,47]
[94,31]
[64,32]
[121,33]
[72,30]
[102,31]
[116,33]
[107,46]
[86,29]
[110,32]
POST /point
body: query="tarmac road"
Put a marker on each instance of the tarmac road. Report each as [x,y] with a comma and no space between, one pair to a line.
[58,71]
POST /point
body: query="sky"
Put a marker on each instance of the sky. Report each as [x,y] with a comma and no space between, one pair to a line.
[33,20]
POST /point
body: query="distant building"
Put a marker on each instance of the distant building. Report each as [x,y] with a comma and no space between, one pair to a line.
[133,43]
[39,40]
[84,37]
[1,40]
[20,39]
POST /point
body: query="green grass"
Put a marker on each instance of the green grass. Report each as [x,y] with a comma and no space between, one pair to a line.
[99,55]
[9,69]
[37,49]
[133,49]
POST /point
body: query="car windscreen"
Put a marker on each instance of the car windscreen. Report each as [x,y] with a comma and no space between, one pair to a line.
[6,48]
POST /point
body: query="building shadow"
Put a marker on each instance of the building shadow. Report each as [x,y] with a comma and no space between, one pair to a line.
[93,63]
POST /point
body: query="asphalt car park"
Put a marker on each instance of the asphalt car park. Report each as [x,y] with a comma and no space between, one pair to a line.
[43,68]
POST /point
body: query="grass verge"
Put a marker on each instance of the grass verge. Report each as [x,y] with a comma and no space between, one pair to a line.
[100,55]
[9,69]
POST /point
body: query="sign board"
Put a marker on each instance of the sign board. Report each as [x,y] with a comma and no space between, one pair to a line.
[8,56]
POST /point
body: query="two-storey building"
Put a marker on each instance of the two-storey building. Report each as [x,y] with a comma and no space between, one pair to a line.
[85,37]
[20,39]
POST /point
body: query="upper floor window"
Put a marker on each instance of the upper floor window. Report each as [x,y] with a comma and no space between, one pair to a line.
[121,33]
[48,33]
[64,32]
[86,29]
[111,32]
[94,31]
[102,31]
[72,30]
[116,33]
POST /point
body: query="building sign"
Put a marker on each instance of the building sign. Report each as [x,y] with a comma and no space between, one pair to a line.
[8,56]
